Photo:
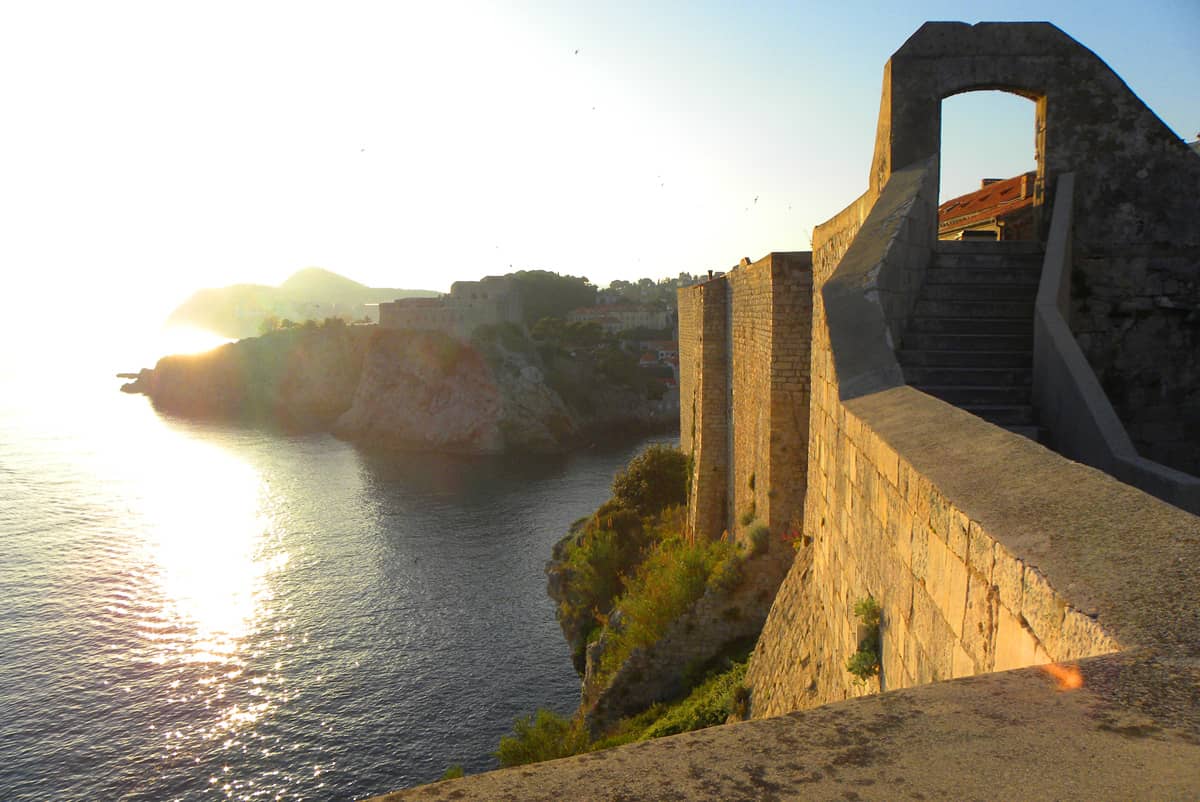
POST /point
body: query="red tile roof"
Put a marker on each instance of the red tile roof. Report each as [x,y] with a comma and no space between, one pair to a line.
[994,199]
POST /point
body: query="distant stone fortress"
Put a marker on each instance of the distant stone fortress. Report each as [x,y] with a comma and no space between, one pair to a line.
[496,299]
[468,305]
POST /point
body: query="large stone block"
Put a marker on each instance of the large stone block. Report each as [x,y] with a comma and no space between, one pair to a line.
[1008,575]
[958,536]
[1043,610]
[961,663]
[936,569]
[1016,647]
[953,599]
[919,561]
[981,551]
[979,620]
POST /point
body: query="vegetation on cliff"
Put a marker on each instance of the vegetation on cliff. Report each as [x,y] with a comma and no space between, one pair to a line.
[623,578]
[549,736]
[593,564]
[299,377]
[672,577]
[414,389]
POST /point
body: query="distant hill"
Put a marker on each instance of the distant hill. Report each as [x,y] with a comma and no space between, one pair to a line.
[239,310]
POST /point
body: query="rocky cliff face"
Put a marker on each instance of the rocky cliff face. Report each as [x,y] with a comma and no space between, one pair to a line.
[426,390]
[402,389]
[301,378]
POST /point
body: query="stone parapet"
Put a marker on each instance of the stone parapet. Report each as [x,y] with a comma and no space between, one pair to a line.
[1130,732]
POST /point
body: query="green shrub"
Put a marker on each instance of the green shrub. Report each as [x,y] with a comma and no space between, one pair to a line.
[868,611]
[626,523]
[595,567]
[668,582]
[726,574]
[748,514]
[597,556]
[545,736]
[760,539]
[453,772]
[740,702]
[653,480]
[864,663]
[712,702]
[708,705]
[630,729]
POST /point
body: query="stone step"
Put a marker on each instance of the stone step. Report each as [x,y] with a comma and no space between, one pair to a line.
[952,341]
[1034,433]
[1001,274]
[938,307]
[1014,247]
[986,261]
[973,376]
[1003,414]
[962,357]
[964,291]
[971,326]
[978,395]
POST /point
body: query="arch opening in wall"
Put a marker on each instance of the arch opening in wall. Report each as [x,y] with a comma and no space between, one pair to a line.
[990,166]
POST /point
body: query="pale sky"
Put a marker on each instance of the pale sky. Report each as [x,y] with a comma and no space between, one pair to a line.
[149,149]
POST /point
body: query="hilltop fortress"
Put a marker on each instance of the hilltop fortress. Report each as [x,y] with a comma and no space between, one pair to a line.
[996,442]
[468,305]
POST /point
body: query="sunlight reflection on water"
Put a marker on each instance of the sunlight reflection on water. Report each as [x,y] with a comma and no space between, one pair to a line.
[209,542]
[209,611]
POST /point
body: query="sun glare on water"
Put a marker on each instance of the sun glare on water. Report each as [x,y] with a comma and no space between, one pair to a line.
[208,541]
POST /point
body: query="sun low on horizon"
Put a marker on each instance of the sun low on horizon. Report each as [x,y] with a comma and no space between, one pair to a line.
[161,149]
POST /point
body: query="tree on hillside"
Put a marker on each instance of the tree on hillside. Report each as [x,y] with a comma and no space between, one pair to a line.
[648,291]
[546,294]
[653,480]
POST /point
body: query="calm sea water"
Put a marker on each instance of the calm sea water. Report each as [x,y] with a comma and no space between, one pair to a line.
[199,611]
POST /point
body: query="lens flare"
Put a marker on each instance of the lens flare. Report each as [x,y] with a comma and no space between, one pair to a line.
[1068,676]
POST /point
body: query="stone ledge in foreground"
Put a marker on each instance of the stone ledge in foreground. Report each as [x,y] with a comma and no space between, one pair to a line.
[1131,732]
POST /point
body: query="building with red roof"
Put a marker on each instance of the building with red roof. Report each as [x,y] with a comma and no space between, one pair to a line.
[1002,209]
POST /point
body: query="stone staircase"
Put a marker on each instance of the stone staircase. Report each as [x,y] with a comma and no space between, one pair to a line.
[969,341]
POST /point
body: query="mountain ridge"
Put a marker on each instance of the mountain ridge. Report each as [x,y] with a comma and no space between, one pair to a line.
[239,310]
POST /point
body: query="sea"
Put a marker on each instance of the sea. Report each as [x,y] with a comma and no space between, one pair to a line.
[198,610]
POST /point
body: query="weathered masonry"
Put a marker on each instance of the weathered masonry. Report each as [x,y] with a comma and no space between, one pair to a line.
[468,305]
[744,362]
[987,552]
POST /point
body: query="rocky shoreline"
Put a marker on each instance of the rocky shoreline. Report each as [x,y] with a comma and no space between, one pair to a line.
[406,390]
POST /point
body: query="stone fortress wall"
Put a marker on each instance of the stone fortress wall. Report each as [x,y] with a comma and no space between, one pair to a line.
[986,551]
[744,357]
[885,518]
[914,502]
[468,305]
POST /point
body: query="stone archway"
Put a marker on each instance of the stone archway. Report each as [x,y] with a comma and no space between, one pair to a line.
[1136,237]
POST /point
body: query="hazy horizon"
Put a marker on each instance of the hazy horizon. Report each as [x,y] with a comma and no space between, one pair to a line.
[159,149]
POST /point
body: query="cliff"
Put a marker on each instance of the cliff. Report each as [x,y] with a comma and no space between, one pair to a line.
[426,390]
[402,389]
[301,378]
